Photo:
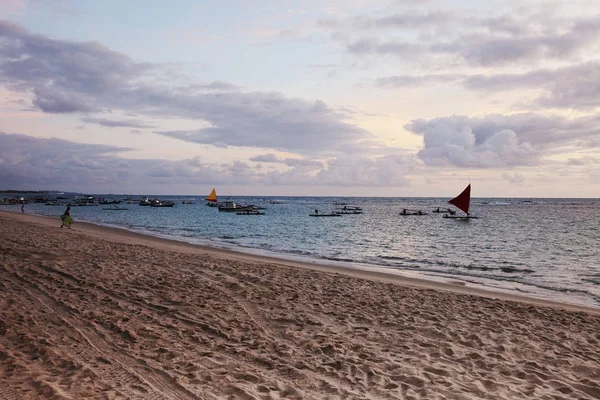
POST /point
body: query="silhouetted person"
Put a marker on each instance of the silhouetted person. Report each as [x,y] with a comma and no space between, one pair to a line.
[66,218]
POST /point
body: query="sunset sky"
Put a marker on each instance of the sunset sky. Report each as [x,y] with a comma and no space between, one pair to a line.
[329,97]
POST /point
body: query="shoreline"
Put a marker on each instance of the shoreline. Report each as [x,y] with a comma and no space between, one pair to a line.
[374,273]
[97,312]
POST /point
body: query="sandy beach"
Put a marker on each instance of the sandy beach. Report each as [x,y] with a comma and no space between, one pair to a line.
[103,313]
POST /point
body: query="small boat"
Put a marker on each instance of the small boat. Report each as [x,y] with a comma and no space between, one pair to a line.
[145,202]
[350,208]
[320,214]
[344,212]
[82,201]
[443,211]
[405,212]
[212,199]
[161,203]
[187,202]
[462,202]
[250,212]
[109,201]
[275,202]
[231,206]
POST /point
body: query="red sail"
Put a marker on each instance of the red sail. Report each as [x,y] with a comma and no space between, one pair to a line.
[462,200]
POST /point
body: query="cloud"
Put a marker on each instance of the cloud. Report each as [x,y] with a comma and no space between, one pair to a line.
[267,158]
[519,37]
[387,171]
[73,77]
[374,46]
[122,123]
[400,81]
[30,162]
[404,20]
[269,120]
[215,86]
[575,86]
[292,162]
[583,161]
[64,76]
[499,140]
[515,178]
[33,163]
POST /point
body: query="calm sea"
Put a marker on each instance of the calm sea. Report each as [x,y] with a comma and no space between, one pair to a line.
[544,248]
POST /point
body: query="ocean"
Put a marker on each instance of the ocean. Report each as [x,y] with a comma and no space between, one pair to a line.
[542,248]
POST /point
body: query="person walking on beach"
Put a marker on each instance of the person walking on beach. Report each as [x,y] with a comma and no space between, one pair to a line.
[22,208]
[66,218]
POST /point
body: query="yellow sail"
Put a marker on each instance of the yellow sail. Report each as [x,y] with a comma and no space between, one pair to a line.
[212,196]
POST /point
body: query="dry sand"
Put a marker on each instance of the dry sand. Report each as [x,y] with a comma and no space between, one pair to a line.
[101,313]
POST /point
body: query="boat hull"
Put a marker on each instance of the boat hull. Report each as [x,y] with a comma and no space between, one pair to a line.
[235,209]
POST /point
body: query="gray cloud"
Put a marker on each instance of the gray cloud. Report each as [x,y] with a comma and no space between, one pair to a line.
[574,86]
[215,86]
[498,140]
[267,158]
[399,81]
[303,162]
[33,163]
[30,162]
[64,76]
[583,161]
[292,162]
[374,46]
[505,39]
[270,120]
[405,20]
[68,77]
[367,172]
[122,123]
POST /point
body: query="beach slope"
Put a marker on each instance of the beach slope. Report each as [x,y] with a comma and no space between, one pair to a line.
[102,313]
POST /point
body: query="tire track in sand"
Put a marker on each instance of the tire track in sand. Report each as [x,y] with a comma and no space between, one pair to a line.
[127,370]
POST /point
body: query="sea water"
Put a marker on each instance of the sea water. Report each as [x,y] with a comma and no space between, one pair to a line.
[543,248]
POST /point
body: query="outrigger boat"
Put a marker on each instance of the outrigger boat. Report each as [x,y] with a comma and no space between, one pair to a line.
[231,206]
[320,214]
[350,208]
[161,203]
[406,212]
[250,212]
[444,211]
[462,202]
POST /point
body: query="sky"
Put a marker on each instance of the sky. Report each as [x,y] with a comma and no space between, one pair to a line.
[301,98]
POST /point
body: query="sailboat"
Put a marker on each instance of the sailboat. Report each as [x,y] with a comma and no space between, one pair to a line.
[462,202]
[212,199]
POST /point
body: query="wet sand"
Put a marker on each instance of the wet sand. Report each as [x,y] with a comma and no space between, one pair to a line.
[103,313]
